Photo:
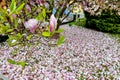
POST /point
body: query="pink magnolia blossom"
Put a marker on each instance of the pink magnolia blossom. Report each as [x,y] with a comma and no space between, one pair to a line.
[53,23]
[32,2]
[28,8]
[41,2]
[31,24]
[14,15]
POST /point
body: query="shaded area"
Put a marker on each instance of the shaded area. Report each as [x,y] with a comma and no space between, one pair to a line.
[108,21]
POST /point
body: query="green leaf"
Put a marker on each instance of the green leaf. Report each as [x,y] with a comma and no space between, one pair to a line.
[39,17]
[16,23]
[14,53]
[19,36]
[11,61]
[44,13]
[19,8]
[1,17]
[28,45]
[59,31]
[12,6]
[29,37]
[3,12]
[3,29]
[9,30]
[12,40]
[61,40]
[22,63]
[46,34]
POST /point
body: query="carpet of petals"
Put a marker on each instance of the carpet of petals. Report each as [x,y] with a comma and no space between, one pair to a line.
[85,54]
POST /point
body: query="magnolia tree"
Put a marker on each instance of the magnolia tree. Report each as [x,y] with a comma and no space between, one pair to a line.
[95,7]
[18,18]
[21,19]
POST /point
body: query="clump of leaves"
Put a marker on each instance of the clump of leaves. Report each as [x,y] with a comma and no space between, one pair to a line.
[21,63]
[61,40]
[46,34]
[9,24]
[49,34]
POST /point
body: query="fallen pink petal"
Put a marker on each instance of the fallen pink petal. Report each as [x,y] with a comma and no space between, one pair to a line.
[90,53]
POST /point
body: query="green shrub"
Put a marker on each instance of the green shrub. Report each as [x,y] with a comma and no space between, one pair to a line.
[79,22]
[101,25]
[108,21]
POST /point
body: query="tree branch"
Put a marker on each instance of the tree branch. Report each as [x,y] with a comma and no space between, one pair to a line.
[66,16]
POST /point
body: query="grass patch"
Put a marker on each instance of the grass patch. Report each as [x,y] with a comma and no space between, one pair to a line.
[115,36]
[80,22]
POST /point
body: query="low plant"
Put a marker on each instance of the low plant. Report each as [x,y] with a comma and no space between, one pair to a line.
[79,22]
[23,20]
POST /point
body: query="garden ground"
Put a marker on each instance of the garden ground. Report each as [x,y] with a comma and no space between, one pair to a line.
[85,54]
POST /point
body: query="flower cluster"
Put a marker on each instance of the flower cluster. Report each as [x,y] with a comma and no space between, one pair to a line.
[32,24]
[96,7]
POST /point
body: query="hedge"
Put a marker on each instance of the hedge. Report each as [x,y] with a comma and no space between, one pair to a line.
[109,22]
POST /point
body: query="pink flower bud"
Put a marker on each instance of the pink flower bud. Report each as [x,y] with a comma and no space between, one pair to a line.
[28,8]
[14,15]
[53,23]
[41,2]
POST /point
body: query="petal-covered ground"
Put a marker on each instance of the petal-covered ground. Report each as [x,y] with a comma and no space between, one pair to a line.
[85,54]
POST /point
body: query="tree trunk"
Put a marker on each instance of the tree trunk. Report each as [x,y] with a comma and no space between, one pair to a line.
[59,22]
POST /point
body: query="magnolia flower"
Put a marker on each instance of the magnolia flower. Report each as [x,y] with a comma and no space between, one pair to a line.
[53,23]
[46,5]
[96,7]
[31,24]
[32,2]
[28,8]
[14,15]
[41,2]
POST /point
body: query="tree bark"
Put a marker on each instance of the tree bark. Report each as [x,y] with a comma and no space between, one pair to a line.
[59,22]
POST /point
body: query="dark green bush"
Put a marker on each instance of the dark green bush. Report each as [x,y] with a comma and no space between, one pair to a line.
[101,25]
[79,22]
[108,21]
